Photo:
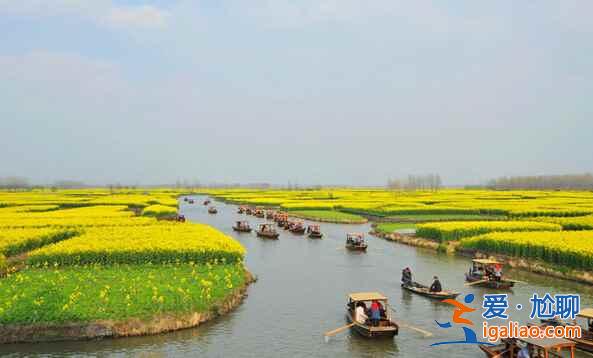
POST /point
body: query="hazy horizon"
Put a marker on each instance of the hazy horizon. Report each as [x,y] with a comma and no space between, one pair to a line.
[320,92]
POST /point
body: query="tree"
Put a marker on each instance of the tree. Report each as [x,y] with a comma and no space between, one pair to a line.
[394,184]
[68,184]
[14,183]
[543,182]
[431,182]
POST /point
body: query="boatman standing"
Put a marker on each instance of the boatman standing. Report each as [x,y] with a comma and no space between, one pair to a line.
[407,277]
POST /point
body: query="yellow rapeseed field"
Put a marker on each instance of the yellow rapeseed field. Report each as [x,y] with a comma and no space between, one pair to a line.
[15,241]
[455,230]
[569,248]
[183,242]
[159,210]
[382,202]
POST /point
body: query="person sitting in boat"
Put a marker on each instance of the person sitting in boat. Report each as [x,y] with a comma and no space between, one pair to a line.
[375,313]
[489,273]
[523,352]
[497,275]
[474,270]
[407,277]
[497,272]
[436,285]
[361,316]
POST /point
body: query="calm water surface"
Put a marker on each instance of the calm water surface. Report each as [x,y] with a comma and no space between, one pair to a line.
[301,293]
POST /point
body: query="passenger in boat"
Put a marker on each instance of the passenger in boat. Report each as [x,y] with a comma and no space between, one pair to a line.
[523,352]
[361,316]
[476,271]
[489,274]
[407,277]
[497,272]
[375,313]
[436,285]
[473,270]
[497,275]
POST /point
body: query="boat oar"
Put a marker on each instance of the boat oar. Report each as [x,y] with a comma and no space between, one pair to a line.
[336,331]
[475,282]
[406,325]
[516,281]
[419,330]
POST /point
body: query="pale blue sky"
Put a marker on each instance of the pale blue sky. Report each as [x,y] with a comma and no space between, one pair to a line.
[310,91]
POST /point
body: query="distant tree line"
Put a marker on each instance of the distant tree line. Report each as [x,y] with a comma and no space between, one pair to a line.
[14,183]
[540,182]
[430,182]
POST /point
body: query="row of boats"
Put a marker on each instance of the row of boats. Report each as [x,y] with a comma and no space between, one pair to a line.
[268,231]
[354,241]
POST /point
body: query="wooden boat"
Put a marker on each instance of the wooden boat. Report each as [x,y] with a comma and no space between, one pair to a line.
[206,202]
[422,290]
[241,210]
[242,226]
[482,274]
[248,210]
[267,231]
[298,227]
[355,242]
[585,343]
[314,232]
[280,216]
[270,214]
[537,348]
[259,213]
[386,327]
[212,210]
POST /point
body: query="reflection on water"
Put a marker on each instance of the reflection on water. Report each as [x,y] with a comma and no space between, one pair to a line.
[301,293]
